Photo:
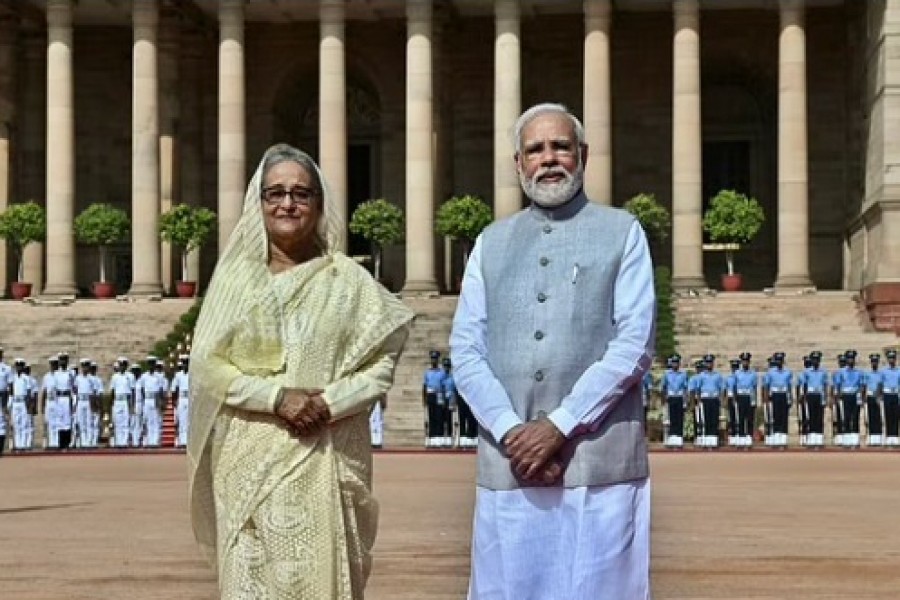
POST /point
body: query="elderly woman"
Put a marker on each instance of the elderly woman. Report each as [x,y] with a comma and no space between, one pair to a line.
[294,344]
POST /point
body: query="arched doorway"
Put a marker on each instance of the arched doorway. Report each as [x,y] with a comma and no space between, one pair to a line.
[296,120]
[739,153]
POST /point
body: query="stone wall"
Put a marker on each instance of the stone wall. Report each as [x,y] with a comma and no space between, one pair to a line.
[739,61]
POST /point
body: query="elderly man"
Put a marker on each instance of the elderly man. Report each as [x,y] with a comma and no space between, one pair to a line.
[550,340]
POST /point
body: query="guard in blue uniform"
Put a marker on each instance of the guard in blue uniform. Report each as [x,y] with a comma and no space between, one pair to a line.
[746,383]
[815,396]
[674,388]
[837,410]
[874,423]
[802,408]
[433,401]
[712,388]
[694,400]
[777,388]
[646,392]
[731,402]
[890,389]
[851,390]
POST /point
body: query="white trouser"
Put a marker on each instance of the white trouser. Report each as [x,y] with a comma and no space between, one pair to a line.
[376,425]
[137,424]
[121,421]
[183,419]
[84,420]
[63,415]
[152,422]
[18,410]
[50,420]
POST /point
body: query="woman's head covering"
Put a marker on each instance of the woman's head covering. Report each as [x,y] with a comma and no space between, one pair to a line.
[239,281]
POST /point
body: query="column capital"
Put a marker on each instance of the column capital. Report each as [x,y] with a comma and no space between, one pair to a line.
[792,12]
[59,13]
[506,9]
[418,11]
[231,13]
[686,7]
[332,12]
[597,12]
[145,14]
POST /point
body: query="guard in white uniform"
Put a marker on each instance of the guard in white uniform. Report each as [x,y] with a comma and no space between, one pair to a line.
[120,389]
[181,397]
[32,404]
[19,407]
[6,377]
[84,393]
[4,419]
[48,405]
[150,383]
[137,406]
[65,402]
[96,405]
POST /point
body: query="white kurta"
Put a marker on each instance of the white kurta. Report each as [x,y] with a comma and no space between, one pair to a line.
[561,543]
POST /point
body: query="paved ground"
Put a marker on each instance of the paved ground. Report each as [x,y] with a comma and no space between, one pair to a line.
[798,526]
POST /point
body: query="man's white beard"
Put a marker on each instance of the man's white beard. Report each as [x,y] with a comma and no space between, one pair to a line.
[553,194]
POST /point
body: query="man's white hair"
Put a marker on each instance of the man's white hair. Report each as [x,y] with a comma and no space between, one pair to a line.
[540,109]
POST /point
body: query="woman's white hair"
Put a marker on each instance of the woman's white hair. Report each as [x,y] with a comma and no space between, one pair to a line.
[544,108]
[330,224]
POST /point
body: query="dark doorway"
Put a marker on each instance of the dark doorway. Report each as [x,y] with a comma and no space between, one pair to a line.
[359,189]
[726,166]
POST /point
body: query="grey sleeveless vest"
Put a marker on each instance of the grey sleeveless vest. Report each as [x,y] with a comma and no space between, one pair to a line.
[549,290]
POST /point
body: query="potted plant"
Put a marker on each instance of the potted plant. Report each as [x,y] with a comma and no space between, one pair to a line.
[102,225]
[732,219]
[20,225]
[653,217]
[382,224]
[188,228]
[463,218]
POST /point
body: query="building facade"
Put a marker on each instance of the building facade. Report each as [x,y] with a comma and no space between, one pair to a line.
[147,103]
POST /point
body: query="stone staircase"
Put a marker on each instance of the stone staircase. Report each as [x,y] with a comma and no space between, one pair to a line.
[405,417]
[727,324]
[97,329]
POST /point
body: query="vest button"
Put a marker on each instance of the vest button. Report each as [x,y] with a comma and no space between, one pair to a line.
[544,261]
[547,228]
[538,375]
[538,335]
[542,297]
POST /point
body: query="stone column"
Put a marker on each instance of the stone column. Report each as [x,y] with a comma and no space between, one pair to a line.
[4,196]
[597,102]
[793,211]
[169,142]
[420,267]
[232,175]
[60,151]
[333,106]
[507,107]
[191,133]
[145,245]
[32,145]
[7,109]
[687,149]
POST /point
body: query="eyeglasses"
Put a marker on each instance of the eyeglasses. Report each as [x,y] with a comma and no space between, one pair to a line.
[299,196]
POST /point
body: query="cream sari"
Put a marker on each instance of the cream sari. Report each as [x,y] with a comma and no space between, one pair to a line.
[282,517]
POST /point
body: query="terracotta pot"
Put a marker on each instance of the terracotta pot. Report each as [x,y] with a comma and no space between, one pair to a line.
[732,283]
[186,289]
[20,290]
[104,290]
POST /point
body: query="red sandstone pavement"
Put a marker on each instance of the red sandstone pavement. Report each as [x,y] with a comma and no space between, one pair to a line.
[777,526]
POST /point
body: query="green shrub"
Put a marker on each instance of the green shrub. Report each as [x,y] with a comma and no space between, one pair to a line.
[666,344]
[463,218]
[381,224]
[652,216]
